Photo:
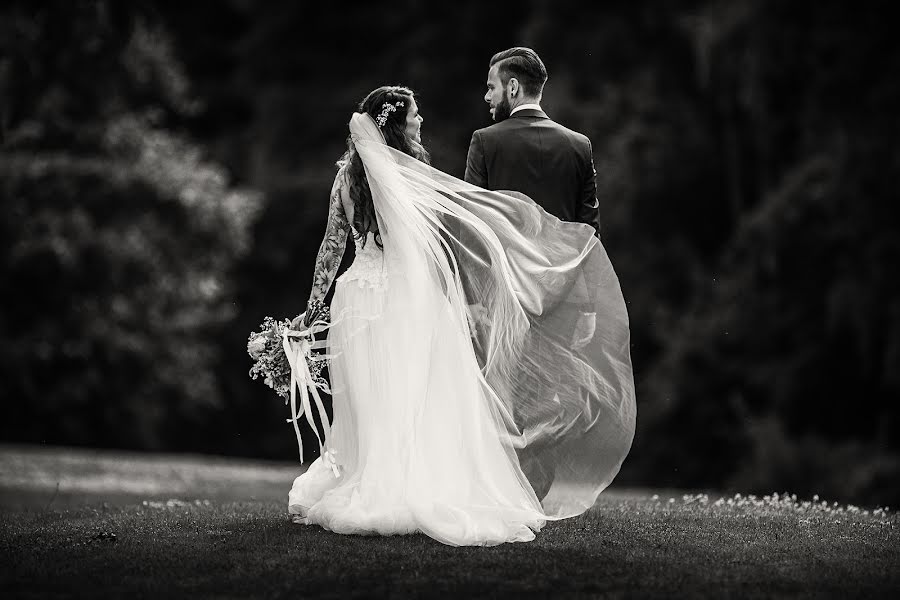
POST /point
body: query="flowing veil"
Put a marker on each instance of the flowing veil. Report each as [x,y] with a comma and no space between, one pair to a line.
[535,304]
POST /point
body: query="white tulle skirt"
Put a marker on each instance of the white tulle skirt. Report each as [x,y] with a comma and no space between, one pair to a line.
[414,445]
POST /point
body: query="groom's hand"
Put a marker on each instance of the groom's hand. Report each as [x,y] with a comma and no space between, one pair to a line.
[477,314]
[585,328]
[589,206]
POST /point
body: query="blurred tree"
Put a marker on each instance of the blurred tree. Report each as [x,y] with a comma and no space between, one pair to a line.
[117,235]
[778,368]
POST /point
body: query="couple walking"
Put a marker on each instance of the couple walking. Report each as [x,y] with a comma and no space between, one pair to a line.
[480,368]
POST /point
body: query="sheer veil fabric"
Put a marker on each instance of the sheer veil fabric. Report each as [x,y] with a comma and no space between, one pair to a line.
[484,386]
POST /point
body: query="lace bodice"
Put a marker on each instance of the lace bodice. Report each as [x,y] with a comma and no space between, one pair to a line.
[368,265]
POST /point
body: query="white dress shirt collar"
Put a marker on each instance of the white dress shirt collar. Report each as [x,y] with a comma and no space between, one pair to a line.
[526,107]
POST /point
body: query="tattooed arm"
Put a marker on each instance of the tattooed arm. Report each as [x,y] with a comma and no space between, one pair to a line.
[330,252]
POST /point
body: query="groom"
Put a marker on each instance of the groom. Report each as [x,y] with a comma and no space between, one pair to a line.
[525,150]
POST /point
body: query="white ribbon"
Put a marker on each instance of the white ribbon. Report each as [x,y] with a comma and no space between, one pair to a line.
[298,346]
[331,461]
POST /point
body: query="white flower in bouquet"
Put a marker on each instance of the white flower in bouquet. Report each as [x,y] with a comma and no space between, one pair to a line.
[256,346]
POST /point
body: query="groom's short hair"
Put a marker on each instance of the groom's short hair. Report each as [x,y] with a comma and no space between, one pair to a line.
[525,65]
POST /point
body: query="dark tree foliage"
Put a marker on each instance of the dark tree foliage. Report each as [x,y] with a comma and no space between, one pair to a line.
[117,235]
[746,157]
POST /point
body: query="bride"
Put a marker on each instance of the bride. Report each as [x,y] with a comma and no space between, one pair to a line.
[480,368]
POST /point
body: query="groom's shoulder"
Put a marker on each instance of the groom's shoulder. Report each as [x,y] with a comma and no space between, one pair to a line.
[509,126]
[502,130]
[573,135]
[494,129]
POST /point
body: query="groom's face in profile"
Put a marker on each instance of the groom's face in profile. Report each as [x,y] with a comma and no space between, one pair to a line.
[496,95]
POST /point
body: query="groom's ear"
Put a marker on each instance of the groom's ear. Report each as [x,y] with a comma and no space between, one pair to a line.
[513,87]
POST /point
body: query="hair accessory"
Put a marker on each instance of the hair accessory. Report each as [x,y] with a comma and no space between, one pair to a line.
[386,109]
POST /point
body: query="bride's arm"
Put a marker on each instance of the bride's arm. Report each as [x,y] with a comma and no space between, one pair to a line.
[331,251]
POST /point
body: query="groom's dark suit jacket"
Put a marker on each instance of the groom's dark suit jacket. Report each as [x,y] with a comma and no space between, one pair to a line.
[532,154]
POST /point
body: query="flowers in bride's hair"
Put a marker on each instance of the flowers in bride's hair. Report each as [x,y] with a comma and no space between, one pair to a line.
[386,109]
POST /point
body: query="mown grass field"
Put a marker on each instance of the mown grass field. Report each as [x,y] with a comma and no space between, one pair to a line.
[120,525]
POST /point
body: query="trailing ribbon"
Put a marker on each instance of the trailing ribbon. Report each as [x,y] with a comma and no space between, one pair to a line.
[298,347]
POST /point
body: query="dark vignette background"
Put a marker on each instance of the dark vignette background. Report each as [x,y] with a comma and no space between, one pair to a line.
[165,166]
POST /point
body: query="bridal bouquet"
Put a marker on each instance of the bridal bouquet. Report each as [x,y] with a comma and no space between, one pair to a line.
[266,347]
[286,361]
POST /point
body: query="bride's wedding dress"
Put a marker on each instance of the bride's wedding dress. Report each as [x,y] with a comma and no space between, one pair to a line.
[464,379]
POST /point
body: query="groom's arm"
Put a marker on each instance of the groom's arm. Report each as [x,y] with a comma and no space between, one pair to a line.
[476,173]
[589,206]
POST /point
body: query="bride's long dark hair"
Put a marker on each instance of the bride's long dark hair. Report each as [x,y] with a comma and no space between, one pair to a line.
[394,130]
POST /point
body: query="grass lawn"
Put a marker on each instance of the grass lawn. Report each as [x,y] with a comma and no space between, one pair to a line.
[122,524]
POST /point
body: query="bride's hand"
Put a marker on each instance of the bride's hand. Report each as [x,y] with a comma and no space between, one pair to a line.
[314,308]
